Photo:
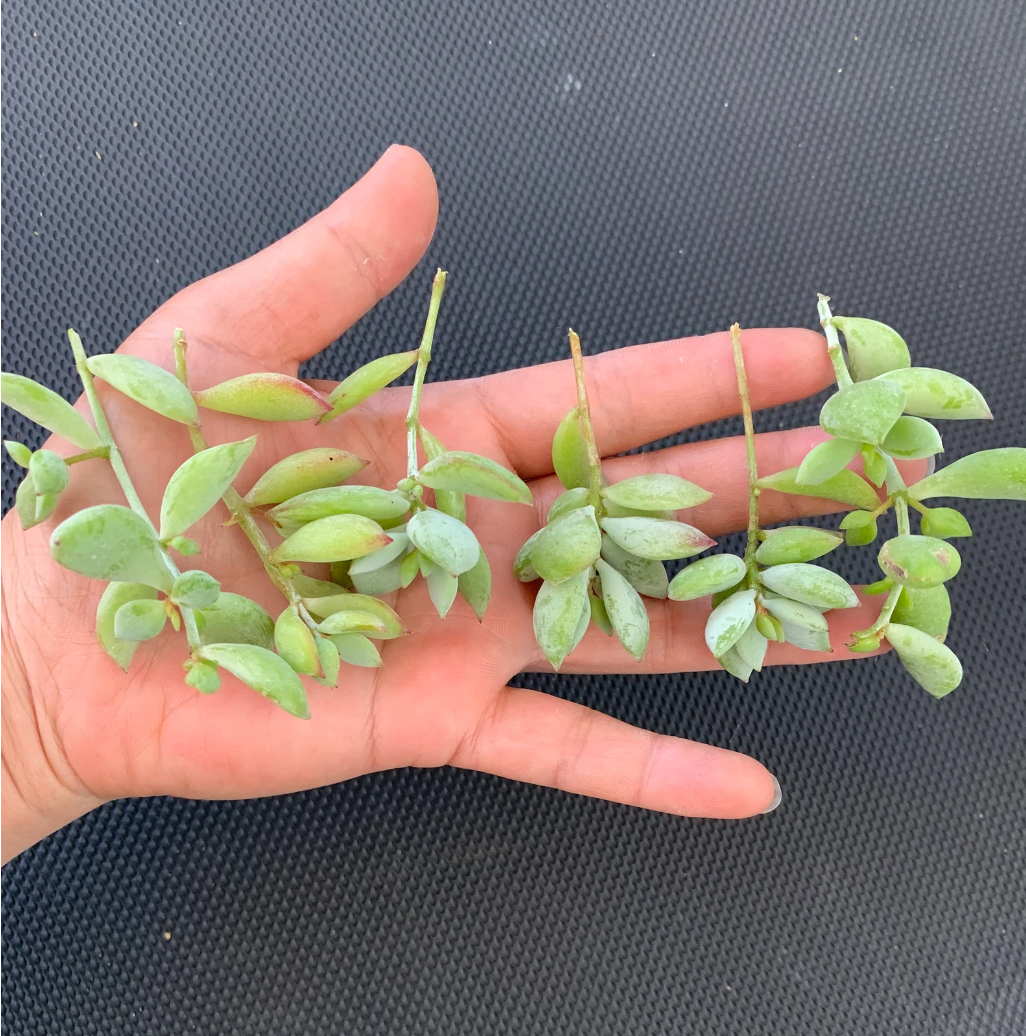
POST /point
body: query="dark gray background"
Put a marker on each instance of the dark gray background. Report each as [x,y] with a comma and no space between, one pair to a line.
[642,171]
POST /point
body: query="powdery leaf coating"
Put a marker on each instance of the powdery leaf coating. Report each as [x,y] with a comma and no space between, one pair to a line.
[825,460]
[443,540]
[796,543]
[149,385]
[863,412]
[656,492]
[522,567]
[474,475]
[114,596]
[912,438]
[295,643]
[475,585]
[706,576]
[919,561]
[264,397]
[49,472]
[933,665]
[235,619]
[442,588]
[567,546]
[322,607]
[810,584]
[935,393]
[626,610]
[366,380]
[447,501]
[845,487]
[873,348]
[859,528]
[988,475]
[751,648]
[557,612]
[262,670]
[380,581]
[804,638]
[734,664]
[928,610]
[570,452]
[112,543]
[400,545]
[139,620]
[370,501]
[648,577]
[356,649]
[944,523]
[655,538]
[728,622]
[339,537]
[568,501]
[794,613]
[46,408]
[302,472]
[195,589]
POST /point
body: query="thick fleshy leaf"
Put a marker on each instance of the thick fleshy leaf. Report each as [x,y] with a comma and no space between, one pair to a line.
[329,658]
[720,596]
[46,408]
[322,607]
[770,626]
[863,412]
[365,623]
[295,643]
[944,523]
[339,537]
[25,503]
[522,567]
[18,452]
[447,501]
[366,380]
[370,501]
[859,528]
[874,465]
[442,588]
[310,587]
[626,610]
[810,584]
[475,585]
[356,649]
[113,598]
[567,546]
[706,576]
[302,472]
[988,475]
[409,568]
[380,581]
[235,619]
[656,539]
[568,501]
[599,615]
[751,648]
[648,577]
[825,460]
[139,620]
[804,638]
[474,475]
[195,589]
[794,613]
[845,487]
[933,665]
[264,397]
[728,621]
[444,540]
[204,677]
[570,452]
[734,664]
[938,394]
[149,385]
[616,511]
[557,612]
[199,483]
[112,543]
[919,561]
[50,475]
[928,610]
[400,545]
[873,348]
[912,438]
[656,492]
[582,625]
[796,543]
[262,670]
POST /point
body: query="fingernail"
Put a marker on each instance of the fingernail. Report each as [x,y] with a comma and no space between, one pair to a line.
[931,464]
[776,797]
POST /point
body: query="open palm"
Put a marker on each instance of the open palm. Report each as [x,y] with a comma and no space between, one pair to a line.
[441,696]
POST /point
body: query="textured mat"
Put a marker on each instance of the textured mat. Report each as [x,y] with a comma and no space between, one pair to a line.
[641,170]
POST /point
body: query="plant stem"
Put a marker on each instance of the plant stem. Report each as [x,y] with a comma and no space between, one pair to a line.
[752,543]
[121,472]
[584,416]
[100,453]
[423,359]
[826,319]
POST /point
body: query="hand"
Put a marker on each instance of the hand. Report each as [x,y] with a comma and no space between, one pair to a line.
[78,732]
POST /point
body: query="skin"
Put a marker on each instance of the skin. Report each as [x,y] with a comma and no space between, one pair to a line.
[77,732]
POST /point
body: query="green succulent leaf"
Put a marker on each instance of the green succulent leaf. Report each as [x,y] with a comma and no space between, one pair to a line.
[366,380]
[825,460]
[557,613]
[810,584]
[363,622]
[46,504]
[912,438]
[570,452]
[648,577]
[302,472]
[25,503]
[379,581]
[18,452]
[771,627]
[846,487]
[796,543]
[46,408]
[864,412]
[295,643]
[919,561]
[928,610]
[114,596]
[599,615]
[442,588]
[330,659]
[475,585]
[307,586]
[570,500]
[149,385]
[447,501]
[139,620]
[728,621]
[656,493]
[751,648]
[444,540]
[933,665]
[734,664]
[938,394]
[234,619]
[873,348]
[323,607]
[409,568]
[185,546]
[356,649]
[262,670]
[706,576]
[806,639]
[988,475]
[881,586]
[522,567]
[859,528]
[195,589]
[626,610]
[339,537]
[794,613]
[383,556]
[474,475]
[50,474]
[204,677]
[944,523]
[875,465]
[370,501]
[567,546]
[264,397]
[655,538]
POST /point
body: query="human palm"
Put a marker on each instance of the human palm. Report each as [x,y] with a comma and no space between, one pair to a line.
[441,696]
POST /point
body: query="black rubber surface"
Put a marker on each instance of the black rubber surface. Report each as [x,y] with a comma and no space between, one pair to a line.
[642,171]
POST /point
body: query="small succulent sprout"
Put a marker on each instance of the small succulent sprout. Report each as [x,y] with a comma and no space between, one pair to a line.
[356,649]
[339,537]
[330,662]
[599,614]
[262,670]
[195,589]
[448,501]
[569,545]
[295,643]
[557,614]
[442,588]
[809,584]
[370,501]
[846,487]
[873,348]
[937,394]
[399,546]
[474,475]
[234,619]
[308,586]
[625,609]
[18,452]
[46,408]
[113,543]
[475,585]
[912,438]
[919,561]
[391,625]
[50,474]
[881,586]
[874,465]
[570,452]
[113,597]
[146,383]
[655,538]
[203,676]
[769,626]
[864,412]
[443,540]
[865,645]
[567,501]
[706,576]
[656,492]
[988,475]
[302,472]
[523,569]
[139,619]
[944,523]
[796,543]
[185,546]
[264,397]
[648,577]
[932,664]
[728,621]
[859,528]
[366,380]
[199,483]
[825,460]
[927,610]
